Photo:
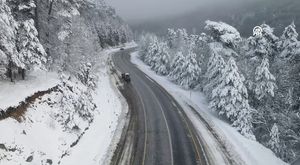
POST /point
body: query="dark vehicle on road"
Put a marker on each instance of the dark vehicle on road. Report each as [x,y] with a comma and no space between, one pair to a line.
[126,77]
[122,49]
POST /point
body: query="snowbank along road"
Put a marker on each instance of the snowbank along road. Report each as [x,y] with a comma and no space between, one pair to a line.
[159,132]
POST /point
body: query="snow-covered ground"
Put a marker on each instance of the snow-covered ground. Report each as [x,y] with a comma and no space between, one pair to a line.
[92,148]
[41,138]
[239,148]
[13,93]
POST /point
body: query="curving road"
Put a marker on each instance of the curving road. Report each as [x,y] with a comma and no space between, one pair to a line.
[159,133]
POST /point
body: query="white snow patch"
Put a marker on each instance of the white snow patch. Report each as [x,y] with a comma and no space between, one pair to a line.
[62,35]
[13,93]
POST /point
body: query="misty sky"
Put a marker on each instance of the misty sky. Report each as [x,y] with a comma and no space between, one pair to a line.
[137,10]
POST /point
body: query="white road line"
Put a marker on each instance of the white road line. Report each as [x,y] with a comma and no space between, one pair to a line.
[146,128]
[202,149]
[149,78]
[174,104]
[197,138]
[189,129]
[193,139]
[165,119]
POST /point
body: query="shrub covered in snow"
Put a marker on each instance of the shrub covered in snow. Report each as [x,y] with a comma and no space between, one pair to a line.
[76,104]
[86,76]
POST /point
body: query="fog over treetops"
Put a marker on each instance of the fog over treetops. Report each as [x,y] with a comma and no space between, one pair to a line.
[157,15]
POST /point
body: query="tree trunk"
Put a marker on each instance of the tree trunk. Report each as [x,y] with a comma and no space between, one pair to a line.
[9,71]
[50,8]
[23,74]
[11,76]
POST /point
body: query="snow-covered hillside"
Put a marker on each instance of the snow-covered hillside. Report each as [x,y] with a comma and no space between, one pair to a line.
[56,99]
[51,133]
[11,94]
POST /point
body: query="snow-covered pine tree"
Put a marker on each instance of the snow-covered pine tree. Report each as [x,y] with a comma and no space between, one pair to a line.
[264,80]
[189,78]
[226,39]
[230,99]
[171,38]
[258,48]
[261,98]
[185,68]
[224,33]
[8,49]
[288,44]
[286,67]
[202,50]
[144,44]
[230,92]
[28,52]
[268,34]
[274,142]
[182,39]
[295,82]
[31,52]
[201,43]
[151,51]
[215,66]
[176,67]
[7,31]
[143,47]
[263,46]
[3,64]
[286,103]
[160,62]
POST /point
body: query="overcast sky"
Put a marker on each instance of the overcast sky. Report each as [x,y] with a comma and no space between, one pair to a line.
[132,10]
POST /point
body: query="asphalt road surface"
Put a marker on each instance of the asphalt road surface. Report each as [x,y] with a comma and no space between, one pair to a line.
[159,133]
